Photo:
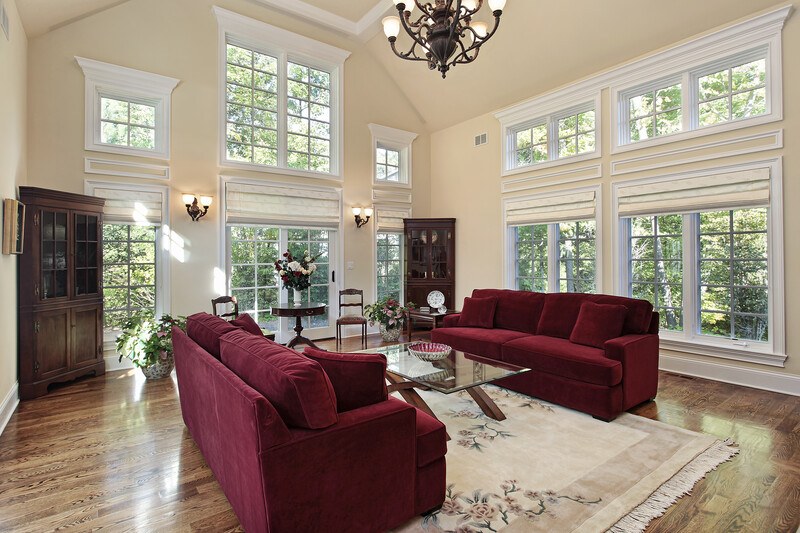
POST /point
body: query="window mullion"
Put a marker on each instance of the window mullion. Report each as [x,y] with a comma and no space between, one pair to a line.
[691,275]
[283,110]
[553,265]
[552,140]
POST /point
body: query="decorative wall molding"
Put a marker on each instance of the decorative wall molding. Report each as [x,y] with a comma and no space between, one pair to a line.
[748,377]
[363,28]
[9,405]
[391,196]
[573,175]
[743,144]
[126,169]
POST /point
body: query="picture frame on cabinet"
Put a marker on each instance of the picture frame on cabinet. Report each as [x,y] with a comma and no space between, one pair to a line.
[13,226]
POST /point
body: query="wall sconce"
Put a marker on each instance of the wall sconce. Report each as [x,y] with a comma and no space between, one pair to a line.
[357,214]
[194,210]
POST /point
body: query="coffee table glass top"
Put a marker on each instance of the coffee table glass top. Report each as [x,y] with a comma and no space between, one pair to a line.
[456,372]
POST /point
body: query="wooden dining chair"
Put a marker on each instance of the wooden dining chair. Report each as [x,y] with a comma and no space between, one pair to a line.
[224,301]
[347,300]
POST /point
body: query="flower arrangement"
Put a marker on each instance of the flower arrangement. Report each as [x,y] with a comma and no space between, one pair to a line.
[146,340]
[295,273]
[387,312]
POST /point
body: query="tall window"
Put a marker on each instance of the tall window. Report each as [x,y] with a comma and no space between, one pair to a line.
[728,278]
[129,273]
[282,98]
[390,265]
[571,245]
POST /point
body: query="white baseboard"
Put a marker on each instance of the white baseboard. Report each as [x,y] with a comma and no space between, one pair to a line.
[9,405]
[113,363]
[748,377]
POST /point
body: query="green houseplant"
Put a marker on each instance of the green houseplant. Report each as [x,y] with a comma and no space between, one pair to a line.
[390,314]
[147,342]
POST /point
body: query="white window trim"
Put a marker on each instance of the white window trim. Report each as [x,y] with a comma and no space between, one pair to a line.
[696,56]
[548,109]
[113,81]
[394,139]
[509,272]
[285,46]
[163,249]
[772,352]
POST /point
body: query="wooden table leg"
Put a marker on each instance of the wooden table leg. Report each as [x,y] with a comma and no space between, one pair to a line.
[406,390]
[486,404]
[299,339]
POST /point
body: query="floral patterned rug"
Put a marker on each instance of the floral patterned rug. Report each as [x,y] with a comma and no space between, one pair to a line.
[551,469]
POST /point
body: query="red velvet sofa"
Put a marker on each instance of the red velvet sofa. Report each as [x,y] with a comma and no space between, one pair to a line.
[305,443]
[591,352]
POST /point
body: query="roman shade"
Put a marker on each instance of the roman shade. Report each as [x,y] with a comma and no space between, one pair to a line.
[391,218]
[277,203]
[130,206]
[700,193]
[551,208]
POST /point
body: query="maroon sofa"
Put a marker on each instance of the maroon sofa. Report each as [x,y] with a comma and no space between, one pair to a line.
[591,352]
[305,443]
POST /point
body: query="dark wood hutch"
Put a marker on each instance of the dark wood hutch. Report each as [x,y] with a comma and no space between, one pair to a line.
[60,289]
[430,259]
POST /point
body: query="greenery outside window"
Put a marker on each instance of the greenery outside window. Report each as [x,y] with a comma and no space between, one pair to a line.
[390,266]
[387,164]
[391,150]
[129,273]
[732,93]
[127,123]
[655,112]
[576,251]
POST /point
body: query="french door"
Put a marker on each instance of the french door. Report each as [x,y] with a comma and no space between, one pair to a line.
[252,252]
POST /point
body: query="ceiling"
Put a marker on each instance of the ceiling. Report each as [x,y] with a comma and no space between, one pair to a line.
[540,45]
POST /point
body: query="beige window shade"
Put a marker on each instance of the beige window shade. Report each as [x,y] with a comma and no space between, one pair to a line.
[545,210]
[130,205]
[718,191]
[391,218]
[281,204]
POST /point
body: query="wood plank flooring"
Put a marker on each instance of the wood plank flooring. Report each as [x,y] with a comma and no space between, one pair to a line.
[112,454]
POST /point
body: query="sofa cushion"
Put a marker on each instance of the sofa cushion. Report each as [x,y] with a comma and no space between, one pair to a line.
[598,323]
[560,313]
[205,330]
[478,312]
[431,439]
[359,379]
[563,358]
[640,312]
[516,310]
[294,384]
[246,322]
[478,341]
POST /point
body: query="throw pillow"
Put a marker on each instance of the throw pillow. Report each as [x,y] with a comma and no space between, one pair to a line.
[246,322]
[205,330]
[478,312]
[560,313]
[359,379]
[295,385]
[598,323]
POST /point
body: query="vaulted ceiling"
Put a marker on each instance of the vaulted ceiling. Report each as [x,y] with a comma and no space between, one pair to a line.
[541,44]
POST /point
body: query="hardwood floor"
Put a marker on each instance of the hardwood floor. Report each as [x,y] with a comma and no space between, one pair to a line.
[112,453]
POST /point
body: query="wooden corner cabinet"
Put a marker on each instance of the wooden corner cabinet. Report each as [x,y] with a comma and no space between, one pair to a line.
[60,289]
[430,259]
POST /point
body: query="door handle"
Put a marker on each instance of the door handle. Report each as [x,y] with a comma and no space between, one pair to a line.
[333,276]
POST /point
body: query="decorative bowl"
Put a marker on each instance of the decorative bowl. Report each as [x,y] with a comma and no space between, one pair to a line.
[429,351]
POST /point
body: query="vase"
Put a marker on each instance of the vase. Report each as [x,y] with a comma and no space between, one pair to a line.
[161,369]
[391,333]
[298,298]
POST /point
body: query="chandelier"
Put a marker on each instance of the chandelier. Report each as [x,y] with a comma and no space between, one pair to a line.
[445,34]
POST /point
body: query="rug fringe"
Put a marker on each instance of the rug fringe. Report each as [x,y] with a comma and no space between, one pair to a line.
[676,487]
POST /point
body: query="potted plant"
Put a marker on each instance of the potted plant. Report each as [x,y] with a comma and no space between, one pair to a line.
[390,315]
[147,342]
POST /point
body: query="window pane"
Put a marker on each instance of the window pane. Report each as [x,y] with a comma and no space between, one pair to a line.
[389,265]
[530,257]
[576,249]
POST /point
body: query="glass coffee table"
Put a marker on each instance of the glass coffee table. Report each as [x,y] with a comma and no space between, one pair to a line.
[458,371]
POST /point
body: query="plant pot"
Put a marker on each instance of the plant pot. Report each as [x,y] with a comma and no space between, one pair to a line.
[298,298]
[391,334]
[161,369]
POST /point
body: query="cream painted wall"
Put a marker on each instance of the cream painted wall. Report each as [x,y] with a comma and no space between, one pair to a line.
[467,186]
[13,83]
[179,39]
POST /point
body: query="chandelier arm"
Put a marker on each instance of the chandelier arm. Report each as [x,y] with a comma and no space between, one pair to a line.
[476,44]
[411,55]
[423,7]
[413,34]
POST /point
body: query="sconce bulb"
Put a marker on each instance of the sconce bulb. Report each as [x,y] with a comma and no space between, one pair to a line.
[205,201]
[368,212]
[356,211]
[188,199]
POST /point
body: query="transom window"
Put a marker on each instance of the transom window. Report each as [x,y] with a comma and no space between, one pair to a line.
[576,134]
[390,265]
[655,113]
[126,123]
[392,149]
[387,164]
[733,93]
[129,273]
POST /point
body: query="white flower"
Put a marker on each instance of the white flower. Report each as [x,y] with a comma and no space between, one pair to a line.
[305,272]
[294,266]
[312,267]
[307,258]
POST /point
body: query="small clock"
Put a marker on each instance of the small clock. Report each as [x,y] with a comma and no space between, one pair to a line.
[435,299]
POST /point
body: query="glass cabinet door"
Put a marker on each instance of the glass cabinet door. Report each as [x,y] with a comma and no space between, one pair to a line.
[439,246]
[418,265]
[54,259]
[86,260]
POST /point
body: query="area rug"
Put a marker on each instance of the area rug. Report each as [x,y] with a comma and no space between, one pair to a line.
[551,469]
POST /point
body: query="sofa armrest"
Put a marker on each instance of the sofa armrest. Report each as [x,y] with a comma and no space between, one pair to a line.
[369,456]
[451,321]
[639,357]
